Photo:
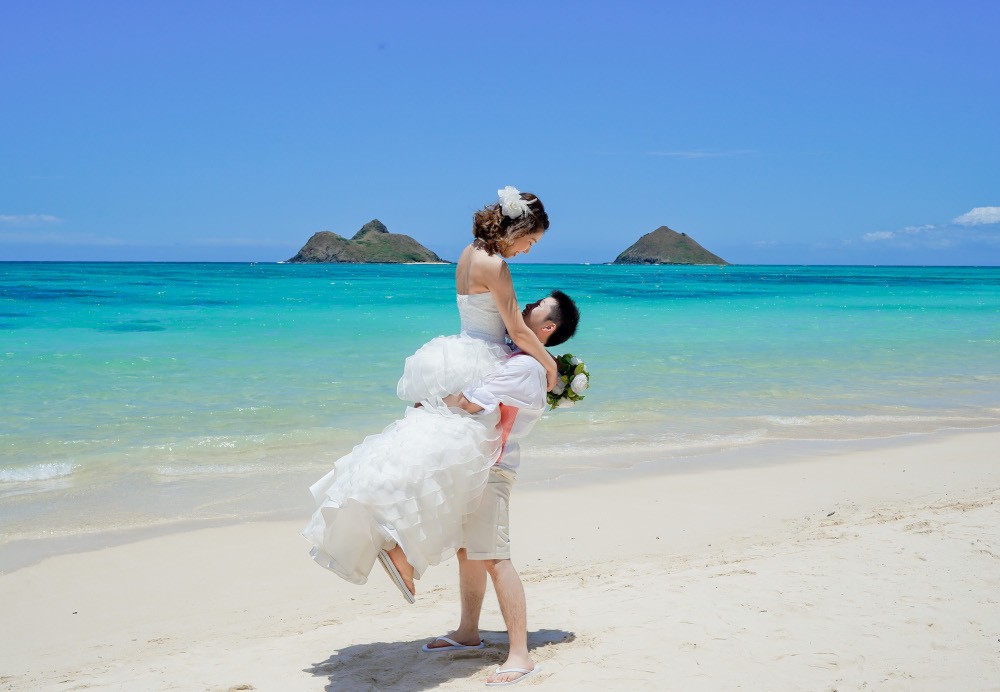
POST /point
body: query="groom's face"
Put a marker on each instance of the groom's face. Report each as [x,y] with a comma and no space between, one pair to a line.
[536,316]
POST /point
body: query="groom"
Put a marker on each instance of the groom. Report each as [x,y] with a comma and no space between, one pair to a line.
[519,388]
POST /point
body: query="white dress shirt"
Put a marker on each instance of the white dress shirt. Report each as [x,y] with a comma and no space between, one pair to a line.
[520,382]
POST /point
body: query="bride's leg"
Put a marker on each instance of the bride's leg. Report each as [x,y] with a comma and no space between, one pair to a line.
[398,558]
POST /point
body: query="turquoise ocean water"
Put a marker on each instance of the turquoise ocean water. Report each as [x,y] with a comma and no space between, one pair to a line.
[137,394]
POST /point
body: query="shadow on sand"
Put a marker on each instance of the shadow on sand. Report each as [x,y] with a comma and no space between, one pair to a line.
[399,666]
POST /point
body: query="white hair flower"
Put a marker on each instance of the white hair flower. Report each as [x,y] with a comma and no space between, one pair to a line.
[511,204]
[579,384]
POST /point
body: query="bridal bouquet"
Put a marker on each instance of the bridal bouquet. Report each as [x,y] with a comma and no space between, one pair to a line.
[573,382]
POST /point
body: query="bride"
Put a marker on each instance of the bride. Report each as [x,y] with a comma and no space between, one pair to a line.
[400,496]
[487,305]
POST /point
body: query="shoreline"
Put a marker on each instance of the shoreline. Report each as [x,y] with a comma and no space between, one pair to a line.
[24,552]
[847,569]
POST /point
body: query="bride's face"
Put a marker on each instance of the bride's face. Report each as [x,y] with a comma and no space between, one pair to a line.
[522,244]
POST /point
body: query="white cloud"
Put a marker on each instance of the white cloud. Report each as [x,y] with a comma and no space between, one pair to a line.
[700,154]
[917,230]
[932,236]
[40,237]
[240,242]
[877,236]
[911,237]
[27,219]
[48,238]
[979,217]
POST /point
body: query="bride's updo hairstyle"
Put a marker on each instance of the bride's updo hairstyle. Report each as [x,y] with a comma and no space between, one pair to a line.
[517,214]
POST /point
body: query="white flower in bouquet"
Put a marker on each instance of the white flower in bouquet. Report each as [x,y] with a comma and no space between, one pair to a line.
[511,204]
[573,380]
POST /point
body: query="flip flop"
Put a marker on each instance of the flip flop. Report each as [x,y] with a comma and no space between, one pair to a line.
[523,671]
[452,646]
[397,578]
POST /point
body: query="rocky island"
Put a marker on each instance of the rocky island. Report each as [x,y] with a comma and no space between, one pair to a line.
[373,244]
[667,246]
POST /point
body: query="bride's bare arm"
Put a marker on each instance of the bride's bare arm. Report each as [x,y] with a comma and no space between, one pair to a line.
[500,284]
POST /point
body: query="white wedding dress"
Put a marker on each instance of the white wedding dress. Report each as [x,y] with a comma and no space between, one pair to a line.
[414,482]
[448,364]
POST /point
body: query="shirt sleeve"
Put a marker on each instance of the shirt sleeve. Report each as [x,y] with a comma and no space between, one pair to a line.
[519,382]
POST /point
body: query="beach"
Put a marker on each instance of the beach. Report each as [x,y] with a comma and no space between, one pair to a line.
[781,478]
[832,567]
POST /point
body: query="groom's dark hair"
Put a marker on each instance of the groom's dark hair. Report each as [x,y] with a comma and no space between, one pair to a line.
[566,316]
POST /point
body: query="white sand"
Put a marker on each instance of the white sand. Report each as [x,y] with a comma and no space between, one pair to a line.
[873,569]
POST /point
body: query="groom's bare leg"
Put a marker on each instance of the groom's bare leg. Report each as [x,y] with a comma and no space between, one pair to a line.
[510,594]
[472,582]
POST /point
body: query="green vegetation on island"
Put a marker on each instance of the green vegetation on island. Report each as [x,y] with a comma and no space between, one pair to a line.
[667,246]
[373,244]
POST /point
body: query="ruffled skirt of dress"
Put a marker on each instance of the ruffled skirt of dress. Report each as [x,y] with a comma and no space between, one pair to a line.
[447,365]
[412,484]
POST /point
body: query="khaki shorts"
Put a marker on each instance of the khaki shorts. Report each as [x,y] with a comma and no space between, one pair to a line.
[487,530]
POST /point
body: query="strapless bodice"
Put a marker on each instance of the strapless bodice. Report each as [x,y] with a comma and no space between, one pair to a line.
[481,318]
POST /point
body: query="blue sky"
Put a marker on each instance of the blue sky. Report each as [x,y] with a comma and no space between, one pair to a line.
[771,132]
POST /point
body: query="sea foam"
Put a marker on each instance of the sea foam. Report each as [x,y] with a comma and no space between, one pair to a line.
[36,472]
